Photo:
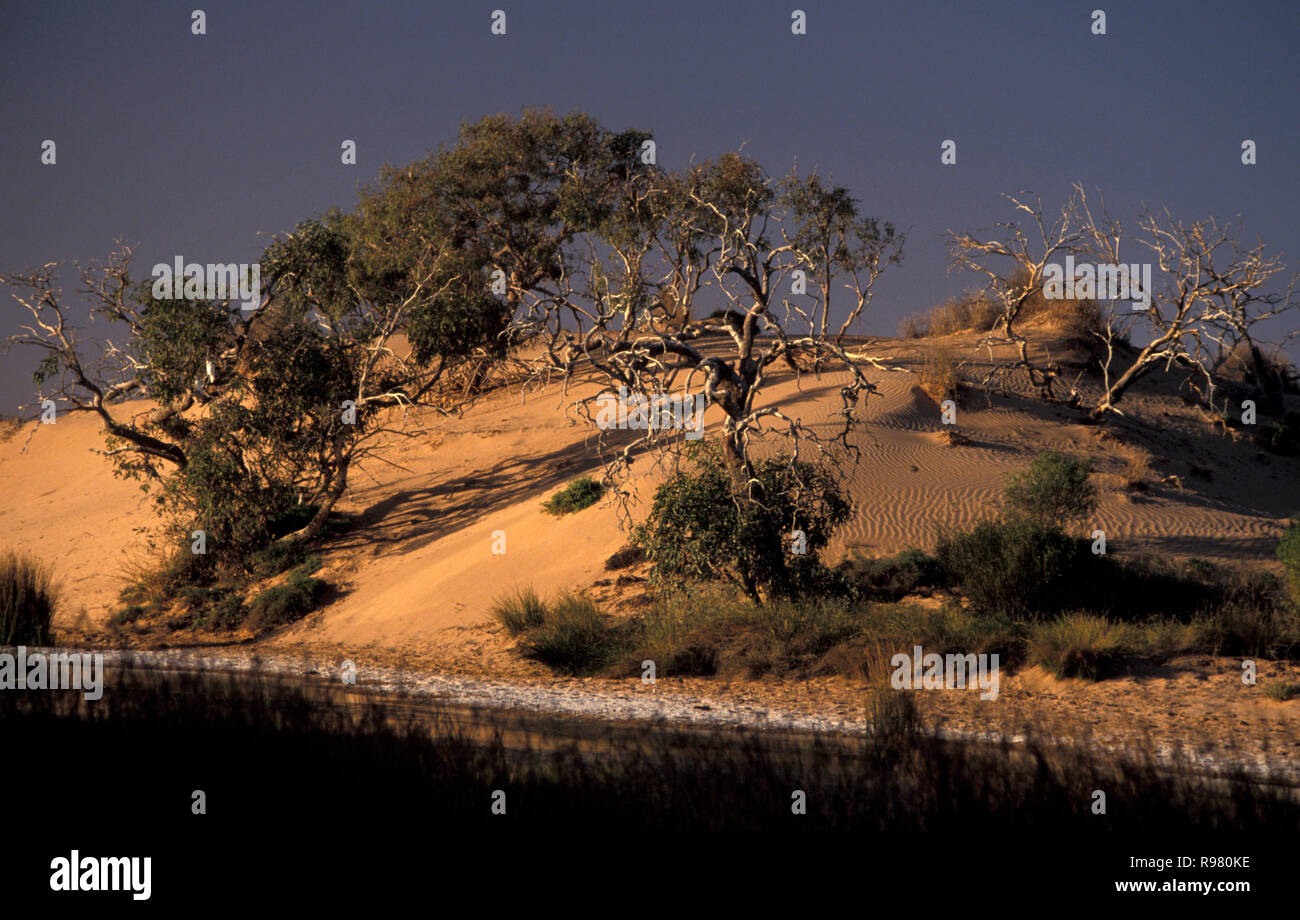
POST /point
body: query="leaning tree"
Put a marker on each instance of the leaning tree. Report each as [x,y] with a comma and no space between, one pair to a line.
[608,264]
[243,417]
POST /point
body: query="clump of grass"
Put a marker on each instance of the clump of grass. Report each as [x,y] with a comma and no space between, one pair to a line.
[939,377]
[290,601]
[1288,551]
[1080,645]
[519,611]
[1161,639]
[1247,629]
[582,492]
[151,585]
[973,310]
[1137,471]
[576,637]
[1282,690]
[677,640]
[27,600]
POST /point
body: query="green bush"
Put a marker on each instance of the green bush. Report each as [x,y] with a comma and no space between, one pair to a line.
[698,529]
[1054,490]
[519,611]
[290,601]
[1018,567]
[27,600]
[583,492]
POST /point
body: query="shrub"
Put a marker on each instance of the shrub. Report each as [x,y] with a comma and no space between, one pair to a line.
[1288,551]
[1017,567]
[699,530]
[576,637]
[519,611]
[973,310]
[894,577]
[128,614]
[980,311]
[290,601]
[914,327]
[1079,645]
[227,613]
[1055,490]
[27,600]
[582,492]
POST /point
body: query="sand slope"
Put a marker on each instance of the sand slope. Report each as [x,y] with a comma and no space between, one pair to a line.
[420,560]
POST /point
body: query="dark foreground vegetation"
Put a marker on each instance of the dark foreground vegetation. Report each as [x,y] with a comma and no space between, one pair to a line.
[270,754]
[27,600]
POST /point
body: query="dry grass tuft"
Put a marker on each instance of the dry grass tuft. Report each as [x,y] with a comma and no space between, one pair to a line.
[939,376]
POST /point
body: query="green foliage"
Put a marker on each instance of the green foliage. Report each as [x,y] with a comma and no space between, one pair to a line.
[290,601]
[699,529]
[519,611]
[49,367]
[27,600]
[509,195]
[1055,490]
[174,340]
[218,607]
[582,492]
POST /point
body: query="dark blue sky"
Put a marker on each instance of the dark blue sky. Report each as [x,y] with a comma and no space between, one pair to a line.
[196,145]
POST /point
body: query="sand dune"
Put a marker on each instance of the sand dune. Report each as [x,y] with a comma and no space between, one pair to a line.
[420,560]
